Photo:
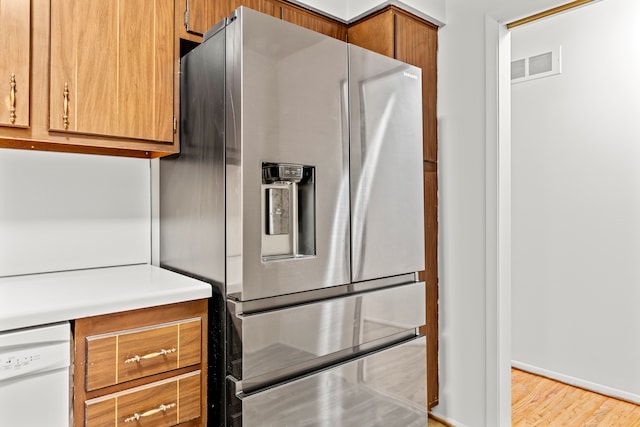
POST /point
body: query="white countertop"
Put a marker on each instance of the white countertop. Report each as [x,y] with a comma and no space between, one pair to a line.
[39,299]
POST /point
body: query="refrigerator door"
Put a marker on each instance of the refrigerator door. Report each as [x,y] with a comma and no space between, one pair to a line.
[287,189]
[383,389]
[387,230]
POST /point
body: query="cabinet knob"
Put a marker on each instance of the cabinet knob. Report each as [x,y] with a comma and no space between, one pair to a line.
[12,100]
[65,106]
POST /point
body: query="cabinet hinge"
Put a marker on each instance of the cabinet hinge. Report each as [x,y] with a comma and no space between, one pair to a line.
[175,124]
[186,17]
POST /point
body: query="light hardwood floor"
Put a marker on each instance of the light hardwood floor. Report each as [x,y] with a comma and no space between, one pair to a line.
[435,423]
[539,401]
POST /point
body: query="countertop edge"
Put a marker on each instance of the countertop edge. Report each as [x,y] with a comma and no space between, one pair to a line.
[30,308]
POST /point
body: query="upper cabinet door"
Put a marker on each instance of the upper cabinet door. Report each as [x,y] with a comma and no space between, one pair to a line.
[112,68]
[387,229]
[313,21]
[15,40]
[200,15]
[376,33]
[267,7]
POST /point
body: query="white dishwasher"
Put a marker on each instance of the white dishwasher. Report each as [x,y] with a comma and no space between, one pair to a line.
[34,376]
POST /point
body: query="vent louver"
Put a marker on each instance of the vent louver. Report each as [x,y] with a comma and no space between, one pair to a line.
[536,66]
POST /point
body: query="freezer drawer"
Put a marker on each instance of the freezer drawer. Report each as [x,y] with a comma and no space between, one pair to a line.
[269,346]
[386,389]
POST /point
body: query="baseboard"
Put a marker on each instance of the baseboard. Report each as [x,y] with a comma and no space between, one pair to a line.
[445,420]
[577,382]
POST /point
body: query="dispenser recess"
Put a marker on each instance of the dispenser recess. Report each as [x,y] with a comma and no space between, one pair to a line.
[288,206]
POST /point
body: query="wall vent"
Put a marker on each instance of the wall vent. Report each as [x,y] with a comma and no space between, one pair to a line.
[536,66]
[518,69]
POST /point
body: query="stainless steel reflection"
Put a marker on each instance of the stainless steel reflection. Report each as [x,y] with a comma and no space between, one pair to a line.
[387,231]
[280,301]
[346,395]
[275,115]
[280,340]
[192,202]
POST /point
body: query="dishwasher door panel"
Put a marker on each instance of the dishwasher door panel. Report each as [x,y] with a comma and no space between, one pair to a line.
[34,376]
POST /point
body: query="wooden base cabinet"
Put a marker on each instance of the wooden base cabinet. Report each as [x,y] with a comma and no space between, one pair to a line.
[144,367]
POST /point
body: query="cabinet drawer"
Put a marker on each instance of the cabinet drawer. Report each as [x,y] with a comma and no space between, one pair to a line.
[121,356]
[159,404]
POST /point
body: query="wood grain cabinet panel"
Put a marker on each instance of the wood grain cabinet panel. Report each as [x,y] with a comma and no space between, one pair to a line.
[268,7]
[430,277]
[126,355]
[201,15]
[313,21]
[160,404]
[375,33]
[15,39]
[114,75]
[198,15]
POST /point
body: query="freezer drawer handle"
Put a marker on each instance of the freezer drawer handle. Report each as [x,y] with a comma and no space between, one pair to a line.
[162,352]
[161,408]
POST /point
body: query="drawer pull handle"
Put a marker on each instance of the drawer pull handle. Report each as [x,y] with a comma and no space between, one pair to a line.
[161,408]
[162,352]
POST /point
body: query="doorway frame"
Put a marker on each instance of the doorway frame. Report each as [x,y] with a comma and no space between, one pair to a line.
[498,222]
[498,207]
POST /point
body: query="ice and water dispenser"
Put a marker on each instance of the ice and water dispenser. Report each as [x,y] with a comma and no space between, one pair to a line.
[288,206]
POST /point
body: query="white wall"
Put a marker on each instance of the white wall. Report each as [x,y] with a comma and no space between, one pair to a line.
[576,201]
[463,117]
[61,211]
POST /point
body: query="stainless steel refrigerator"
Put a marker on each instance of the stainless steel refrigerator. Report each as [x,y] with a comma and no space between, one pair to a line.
[298,195]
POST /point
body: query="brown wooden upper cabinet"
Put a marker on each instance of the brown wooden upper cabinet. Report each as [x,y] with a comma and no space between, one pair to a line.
[312,21]
[200,15]
[270,7]
[15,39]
[395,33]
[112,75]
